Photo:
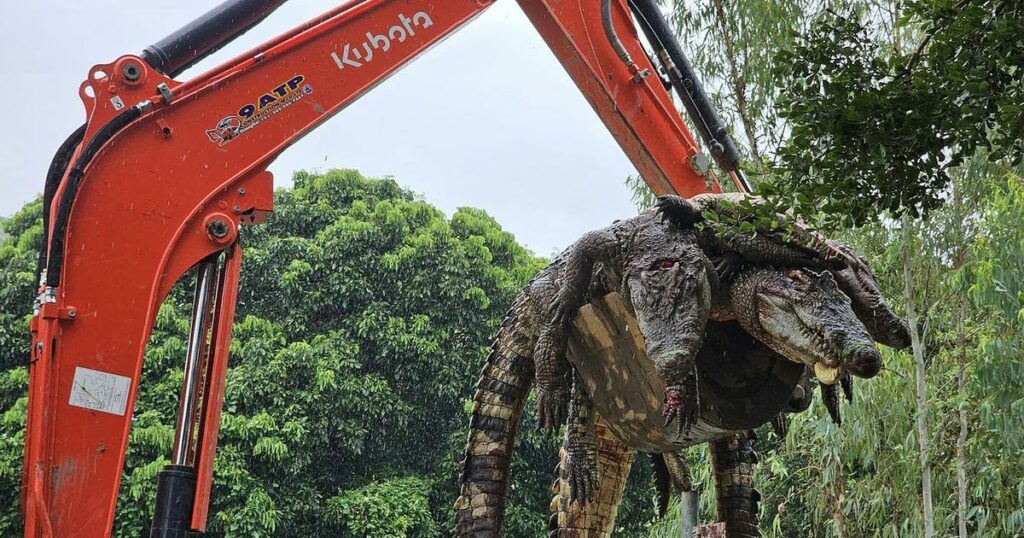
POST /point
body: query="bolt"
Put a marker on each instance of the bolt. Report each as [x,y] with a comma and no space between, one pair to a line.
[131,72]
[218,229]
[241,191]
[72,313]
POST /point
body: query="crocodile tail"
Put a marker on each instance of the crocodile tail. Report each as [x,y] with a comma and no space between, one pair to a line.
[497,407]
[596,518]
[733,460]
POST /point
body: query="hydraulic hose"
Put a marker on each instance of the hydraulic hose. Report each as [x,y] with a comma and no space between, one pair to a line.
[687,85]
[613,37]
[58,166]
[55,259]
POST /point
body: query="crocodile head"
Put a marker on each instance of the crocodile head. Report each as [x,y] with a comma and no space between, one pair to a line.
[806,317]
[859,283]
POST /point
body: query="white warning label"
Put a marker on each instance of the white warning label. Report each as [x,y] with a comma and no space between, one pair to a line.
[100,391]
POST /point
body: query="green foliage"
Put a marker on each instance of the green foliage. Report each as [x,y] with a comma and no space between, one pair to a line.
[392,509]
[997,288]
[733,45]
[363,318]
[875,127]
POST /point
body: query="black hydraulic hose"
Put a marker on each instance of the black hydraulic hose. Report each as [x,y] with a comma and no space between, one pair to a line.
[687,85]
[55,260]
[207,34]
[613,37]
[58,166]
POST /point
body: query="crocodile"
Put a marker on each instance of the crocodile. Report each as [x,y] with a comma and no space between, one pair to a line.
[509,372]
[732,456]
[664,270]
[668,275]
[732,460]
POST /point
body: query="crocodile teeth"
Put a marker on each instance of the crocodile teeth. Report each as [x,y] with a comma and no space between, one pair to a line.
[826,374]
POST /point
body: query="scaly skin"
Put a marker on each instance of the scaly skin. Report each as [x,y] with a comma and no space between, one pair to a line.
[771,247]
[668,284]
[497,407]
[733,461]
[660,267]
[596,519]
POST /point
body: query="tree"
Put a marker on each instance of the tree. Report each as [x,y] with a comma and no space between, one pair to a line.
[732,45]
[875,127]
[880,112]
[364,317]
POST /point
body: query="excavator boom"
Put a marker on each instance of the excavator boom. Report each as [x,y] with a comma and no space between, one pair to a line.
[164,172]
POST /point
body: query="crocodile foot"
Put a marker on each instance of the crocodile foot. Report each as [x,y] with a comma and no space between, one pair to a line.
[582,477]
[830,397]
[728,265]
[846,382]
[552,409]
[562,311]
[678,211]
[780,424]
[682,405]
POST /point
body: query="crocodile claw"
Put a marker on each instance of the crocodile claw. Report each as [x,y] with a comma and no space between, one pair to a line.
[552,410]
[682,405]
[582,478]
[562,313]
[728,265]
[780,424]
[677,210]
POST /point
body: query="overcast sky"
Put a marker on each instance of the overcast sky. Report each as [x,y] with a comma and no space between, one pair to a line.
[487,119]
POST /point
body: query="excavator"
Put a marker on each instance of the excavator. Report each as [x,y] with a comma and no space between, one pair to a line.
[157,182]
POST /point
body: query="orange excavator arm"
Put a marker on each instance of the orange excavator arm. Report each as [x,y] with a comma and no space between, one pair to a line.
[163,173]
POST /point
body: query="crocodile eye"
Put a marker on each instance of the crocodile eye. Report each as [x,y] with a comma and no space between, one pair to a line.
[664,265]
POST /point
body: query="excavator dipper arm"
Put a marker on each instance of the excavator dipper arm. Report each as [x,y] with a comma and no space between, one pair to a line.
[167,171]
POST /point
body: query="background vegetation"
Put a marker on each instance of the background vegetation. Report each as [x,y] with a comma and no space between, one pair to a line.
[364,318]
[366,312]
[895,125]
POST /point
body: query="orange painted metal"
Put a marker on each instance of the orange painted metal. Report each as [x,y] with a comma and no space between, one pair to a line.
[140,218]
[640,114]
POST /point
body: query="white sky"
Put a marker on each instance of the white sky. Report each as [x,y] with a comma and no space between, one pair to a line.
[487,119]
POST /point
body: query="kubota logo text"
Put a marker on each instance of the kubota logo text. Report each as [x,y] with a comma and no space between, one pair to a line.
[361,55]
[252,114]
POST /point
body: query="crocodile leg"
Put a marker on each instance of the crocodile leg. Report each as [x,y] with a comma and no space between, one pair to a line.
[573,281]
[599,246]
[595,519]
[733,460]
[581,445]
[550,364]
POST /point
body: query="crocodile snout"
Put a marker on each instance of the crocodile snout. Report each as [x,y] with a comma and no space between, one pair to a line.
[866,362]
